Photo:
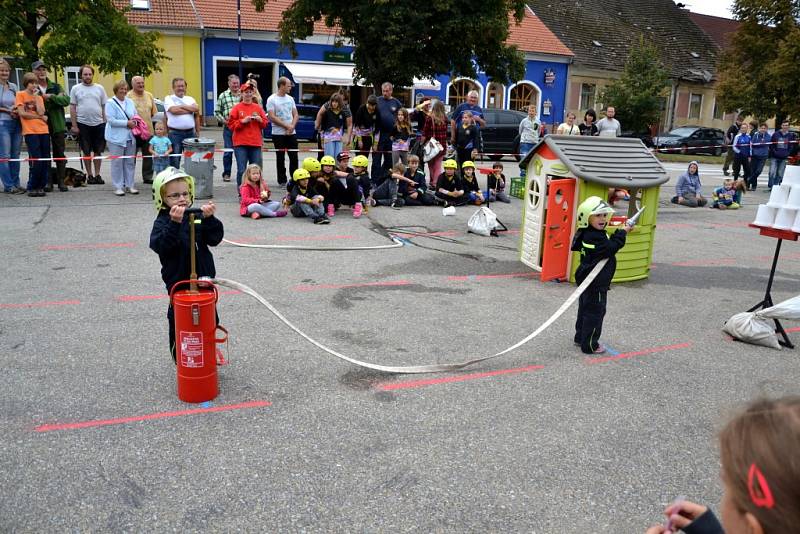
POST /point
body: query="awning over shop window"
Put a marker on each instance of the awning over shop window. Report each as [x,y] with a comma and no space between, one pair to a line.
[321,73]
[431,85]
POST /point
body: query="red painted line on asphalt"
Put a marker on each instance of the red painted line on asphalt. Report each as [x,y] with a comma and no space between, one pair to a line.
[793,329]
[642,352]
[448,233]
[45,304]
[477,277]
[663,226]
[391,386]
[148,417]
[736,224]
[347,286]
[90,246]
[137,298]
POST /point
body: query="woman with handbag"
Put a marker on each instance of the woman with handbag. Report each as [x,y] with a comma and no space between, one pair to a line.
[434,139]
[120,112]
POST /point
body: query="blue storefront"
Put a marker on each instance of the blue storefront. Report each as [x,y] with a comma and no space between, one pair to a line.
[320,69]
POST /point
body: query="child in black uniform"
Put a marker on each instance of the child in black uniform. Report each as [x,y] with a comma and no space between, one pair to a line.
[594,244]
[173,192]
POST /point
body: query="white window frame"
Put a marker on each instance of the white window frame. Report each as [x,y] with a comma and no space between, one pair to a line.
[699,108]
[580,97]
[67,72]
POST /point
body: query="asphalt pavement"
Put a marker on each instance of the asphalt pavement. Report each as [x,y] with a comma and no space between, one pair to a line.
[541,440]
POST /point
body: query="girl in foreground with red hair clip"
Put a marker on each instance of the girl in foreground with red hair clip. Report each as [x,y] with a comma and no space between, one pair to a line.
[760,456]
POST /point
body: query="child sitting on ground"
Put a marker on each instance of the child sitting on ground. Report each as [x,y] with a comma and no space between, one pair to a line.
[385,193]
[594,244]
[360,174]
[760,475]
[413,188]
[160,148]
[324,182]
[255,196]
[449,187]
[727,197]
[303,201]
[345,187]
[173,192]
[496,184]
[470,182]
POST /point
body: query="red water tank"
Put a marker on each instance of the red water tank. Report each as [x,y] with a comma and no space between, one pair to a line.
[195,329]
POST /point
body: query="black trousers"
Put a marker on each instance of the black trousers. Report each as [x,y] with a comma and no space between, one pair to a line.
[283,142]
[741,164]
[453,201]
[589,324]
[58,144]
[341,195]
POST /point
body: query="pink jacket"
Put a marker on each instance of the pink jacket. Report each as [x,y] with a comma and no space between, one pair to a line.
[250,195]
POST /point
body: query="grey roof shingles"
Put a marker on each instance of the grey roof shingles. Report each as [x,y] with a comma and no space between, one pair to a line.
[611,161]
[617,25]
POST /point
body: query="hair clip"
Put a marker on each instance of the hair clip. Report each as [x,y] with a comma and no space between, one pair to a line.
[759,490]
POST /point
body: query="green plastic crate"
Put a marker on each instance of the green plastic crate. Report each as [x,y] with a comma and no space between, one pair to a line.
[517,188]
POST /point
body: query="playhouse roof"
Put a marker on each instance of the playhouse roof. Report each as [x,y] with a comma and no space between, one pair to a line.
[611,161]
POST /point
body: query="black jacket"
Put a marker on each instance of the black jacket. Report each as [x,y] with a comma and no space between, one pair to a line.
[594,245]
[170,240]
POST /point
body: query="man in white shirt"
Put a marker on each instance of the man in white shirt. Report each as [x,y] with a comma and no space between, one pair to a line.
[87,110]
[182,117]
[282,113]
[609,126]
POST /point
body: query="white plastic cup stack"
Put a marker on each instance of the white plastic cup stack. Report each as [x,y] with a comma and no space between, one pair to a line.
[779,196]
[765,216]
[791,175]
[794,197]
[785,219]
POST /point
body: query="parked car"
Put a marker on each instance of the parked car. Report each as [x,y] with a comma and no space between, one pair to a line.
[644,136]
[501,133]
[692,140]
[305,124]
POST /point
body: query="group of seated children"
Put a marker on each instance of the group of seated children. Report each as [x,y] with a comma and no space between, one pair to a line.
[320,187]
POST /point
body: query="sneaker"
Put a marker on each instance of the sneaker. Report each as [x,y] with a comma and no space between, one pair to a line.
[33,193]
[226,177]
[255,215]
[372,202]
[395,205]
[357,209]
[133,191]
[18,191]
[331,210]
[119,193]
[599,350]
[49,188]
[41,193]
[94,180]
[322,220]
[281,213]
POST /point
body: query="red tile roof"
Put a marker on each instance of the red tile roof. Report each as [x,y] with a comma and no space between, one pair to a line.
[531,35]
[719,29]
[162,14]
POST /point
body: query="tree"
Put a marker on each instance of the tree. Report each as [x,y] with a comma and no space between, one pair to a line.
[637,94]
[398,41]
[74,32]
[759,73]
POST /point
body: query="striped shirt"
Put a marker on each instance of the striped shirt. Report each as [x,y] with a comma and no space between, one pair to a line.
[225,103]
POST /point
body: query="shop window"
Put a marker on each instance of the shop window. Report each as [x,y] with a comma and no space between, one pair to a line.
[457,94]
[522,96]
[494,95]
[317,93]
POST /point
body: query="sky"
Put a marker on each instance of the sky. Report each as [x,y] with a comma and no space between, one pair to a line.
[718,8]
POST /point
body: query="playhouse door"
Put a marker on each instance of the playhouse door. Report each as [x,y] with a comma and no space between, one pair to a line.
[558,229]
[530,246]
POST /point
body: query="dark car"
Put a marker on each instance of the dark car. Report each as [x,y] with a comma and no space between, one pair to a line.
[692,140]
[644,136]
[305,124]
[501,133]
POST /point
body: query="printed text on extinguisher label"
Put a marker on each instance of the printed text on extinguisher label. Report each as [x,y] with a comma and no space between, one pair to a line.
[191,349]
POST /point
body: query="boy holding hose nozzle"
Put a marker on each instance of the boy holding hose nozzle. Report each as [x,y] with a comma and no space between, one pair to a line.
[594,244]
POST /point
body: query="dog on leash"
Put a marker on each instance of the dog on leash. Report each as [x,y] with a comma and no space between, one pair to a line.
[72,177]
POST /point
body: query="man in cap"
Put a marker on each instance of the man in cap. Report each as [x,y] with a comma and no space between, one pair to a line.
[55,100]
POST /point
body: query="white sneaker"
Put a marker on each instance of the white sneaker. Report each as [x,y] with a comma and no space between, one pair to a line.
[133,191]
[119,193]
